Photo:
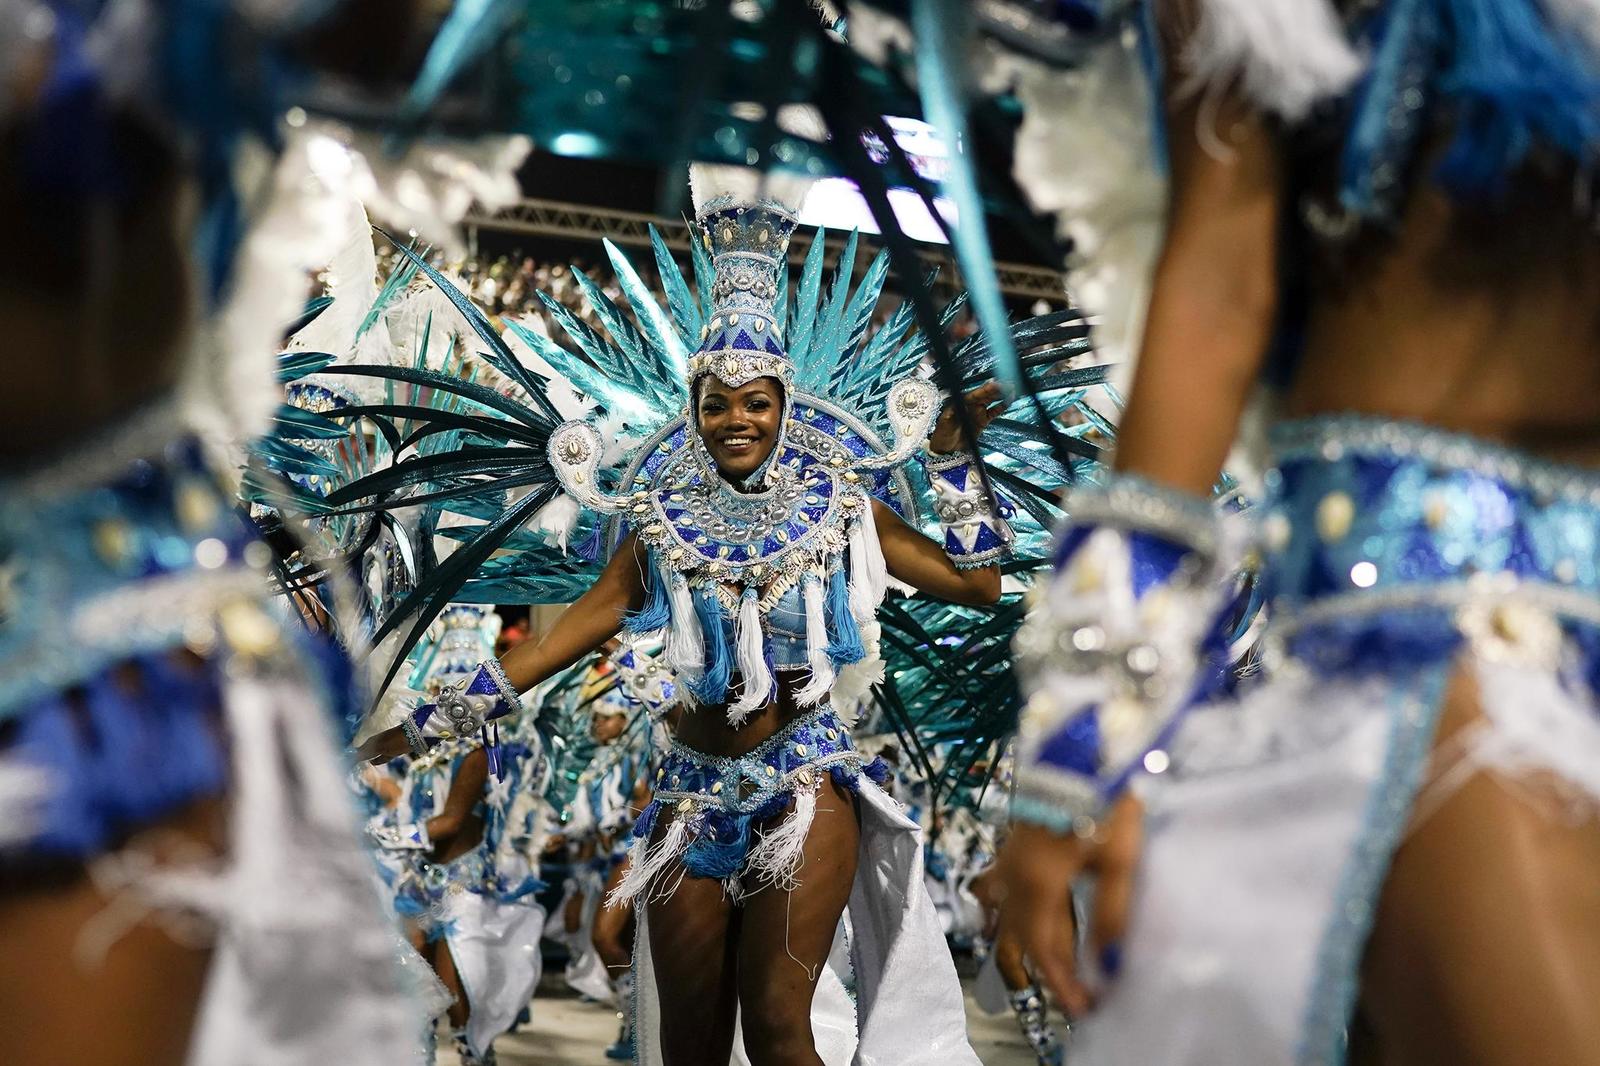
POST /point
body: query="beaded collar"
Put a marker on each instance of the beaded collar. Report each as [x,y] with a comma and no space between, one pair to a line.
[827,468]
[706,531]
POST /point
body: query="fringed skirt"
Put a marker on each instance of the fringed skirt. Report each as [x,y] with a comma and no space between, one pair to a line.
[742,821]
[1403,558]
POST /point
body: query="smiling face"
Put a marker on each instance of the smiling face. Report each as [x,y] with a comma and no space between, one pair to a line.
[739,426]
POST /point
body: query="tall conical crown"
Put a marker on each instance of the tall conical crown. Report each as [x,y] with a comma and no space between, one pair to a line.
[742,339]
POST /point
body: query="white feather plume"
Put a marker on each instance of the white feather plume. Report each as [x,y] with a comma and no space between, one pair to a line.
[856,680]
[820,684]
[557,519]
[685,645]
[751,646]
[1286,54]
[869,573]
[779,852]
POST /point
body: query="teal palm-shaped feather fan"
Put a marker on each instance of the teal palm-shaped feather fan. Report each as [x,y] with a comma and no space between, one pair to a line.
[428,442]
[289,471]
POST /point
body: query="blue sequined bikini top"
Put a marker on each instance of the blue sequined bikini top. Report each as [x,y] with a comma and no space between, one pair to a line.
[128,546]
[721,559]
[761,581]
[786,631]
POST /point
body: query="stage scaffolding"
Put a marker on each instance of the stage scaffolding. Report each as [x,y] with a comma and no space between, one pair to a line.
[551,218]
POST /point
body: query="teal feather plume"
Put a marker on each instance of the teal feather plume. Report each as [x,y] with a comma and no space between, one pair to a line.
[671,349]
[820,350]
[804,312]
[681,304]
[603,389]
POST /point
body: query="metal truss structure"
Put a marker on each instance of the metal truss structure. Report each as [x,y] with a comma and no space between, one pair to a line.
[552,218]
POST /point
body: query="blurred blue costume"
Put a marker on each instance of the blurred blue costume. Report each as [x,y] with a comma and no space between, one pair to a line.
[1394,554]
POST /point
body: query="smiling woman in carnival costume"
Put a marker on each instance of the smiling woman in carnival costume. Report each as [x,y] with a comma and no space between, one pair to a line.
[1386,845]
[755,532]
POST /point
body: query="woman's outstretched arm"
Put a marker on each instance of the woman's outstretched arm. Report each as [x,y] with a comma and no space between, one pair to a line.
[592,620]
[923,564]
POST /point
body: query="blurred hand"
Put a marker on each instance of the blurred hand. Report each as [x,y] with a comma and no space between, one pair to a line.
[1039,868]
[984,405]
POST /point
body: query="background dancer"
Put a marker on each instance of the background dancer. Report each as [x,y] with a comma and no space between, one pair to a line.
[470,892]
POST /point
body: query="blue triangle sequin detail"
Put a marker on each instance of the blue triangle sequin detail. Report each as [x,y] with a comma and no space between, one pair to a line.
[987,540]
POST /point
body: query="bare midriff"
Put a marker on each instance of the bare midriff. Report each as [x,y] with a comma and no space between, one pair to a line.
[1487,324]
[706,728]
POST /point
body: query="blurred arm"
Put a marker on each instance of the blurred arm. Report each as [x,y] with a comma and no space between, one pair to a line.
[1215,293]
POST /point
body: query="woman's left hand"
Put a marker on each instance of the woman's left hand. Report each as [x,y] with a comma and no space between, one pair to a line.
[1039,867]
[984,405]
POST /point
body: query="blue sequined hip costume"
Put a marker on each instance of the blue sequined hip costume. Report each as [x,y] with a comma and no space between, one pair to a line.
[1395,558]
[129,589]
[731,818]
[145,667]
[1388,542]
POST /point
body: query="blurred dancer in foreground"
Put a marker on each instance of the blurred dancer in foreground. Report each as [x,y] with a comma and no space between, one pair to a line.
[180,877]
[1385,208]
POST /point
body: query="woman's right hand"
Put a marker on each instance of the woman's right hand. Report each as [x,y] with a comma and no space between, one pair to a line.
[1039,868]
[383,746]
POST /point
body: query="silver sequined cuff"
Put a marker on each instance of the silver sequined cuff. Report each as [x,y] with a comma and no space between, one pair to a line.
[976,532]
[1137,504]
[508,691]
[414,738]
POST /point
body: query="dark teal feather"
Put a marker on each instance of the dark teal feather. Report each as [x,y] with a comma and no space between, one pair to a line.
[292,366]
[296,423]
[447,383]
[496,353]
